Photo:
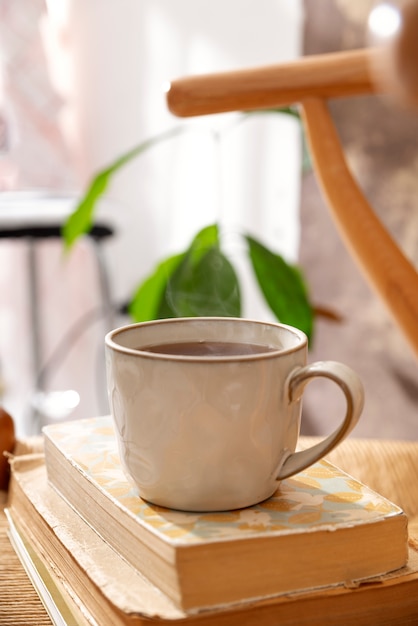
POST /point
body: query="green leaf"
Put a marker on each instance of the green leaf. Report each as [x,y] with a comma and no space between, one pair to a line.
[81,219]
[147,298]
[205,239]
[199,281]
[209,288]
[274,110]
[204,283]
[283,287]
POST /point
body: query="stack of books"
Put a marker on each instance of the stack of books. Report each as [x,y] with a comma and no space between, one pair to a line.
[325,549]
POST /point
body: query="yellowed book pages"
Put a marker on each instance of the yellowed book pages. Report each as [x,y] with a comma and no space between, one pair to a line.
[320,528]
[59,605]
[110,592]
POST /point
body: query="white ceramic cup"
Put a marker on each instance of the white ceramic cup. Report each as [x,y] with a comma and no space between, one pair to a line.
[210,433]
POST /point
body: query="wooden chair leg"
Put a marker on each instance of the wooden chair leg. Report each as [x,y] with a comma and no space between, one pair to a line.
[381,260]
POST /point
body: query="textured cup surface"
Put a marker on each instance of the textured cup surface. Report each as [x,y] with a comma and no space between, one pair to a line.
[204,433]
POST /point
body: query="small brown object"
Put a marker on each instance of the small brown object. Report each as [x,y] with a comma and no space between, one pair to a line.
[7,443]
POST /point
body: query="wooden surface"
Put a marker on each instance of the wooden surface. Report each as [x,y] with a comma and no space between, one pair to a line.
[390,467]
[19,603]
[339,74]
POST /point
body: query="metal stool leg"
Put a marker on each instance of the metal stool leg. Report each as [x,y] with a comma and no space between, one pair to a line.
[109,319]
[104,285]
[35,322]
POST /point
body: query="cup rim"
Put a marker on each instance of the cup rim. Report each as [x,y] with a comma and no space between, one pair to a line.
[113,345]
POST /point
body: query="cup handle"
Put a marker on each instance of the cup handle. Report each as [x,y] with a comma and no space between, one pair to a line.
[350,384]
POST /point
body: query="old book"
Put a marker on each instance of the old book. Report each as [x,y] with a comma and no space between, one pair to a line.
[105,588]
[58,604]
[102,586]
[321,527]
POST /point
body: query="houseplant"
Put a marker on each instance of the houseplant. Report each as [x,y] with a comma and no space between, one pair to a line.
[201,280]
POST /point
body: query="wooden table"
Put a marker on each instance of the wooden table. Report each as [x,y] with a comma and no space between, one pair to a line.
[389,467]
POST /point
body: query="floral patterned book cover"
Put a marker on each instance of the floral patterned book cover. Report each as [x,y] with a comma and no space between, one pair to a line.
[321,497]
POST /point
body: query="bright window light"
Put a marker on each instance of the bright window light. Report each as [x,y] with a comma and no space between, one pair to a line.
[384,20]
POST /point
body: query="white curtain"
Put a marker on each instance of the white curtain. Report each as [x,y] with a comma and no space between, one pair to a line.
[118,55]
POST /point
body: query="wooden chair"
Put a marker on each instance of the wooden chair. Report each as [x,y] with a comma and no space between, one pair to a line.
[310,82]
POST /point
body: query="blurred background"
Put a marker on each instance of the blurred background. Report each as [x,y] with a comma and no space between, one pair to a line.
[82,82]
